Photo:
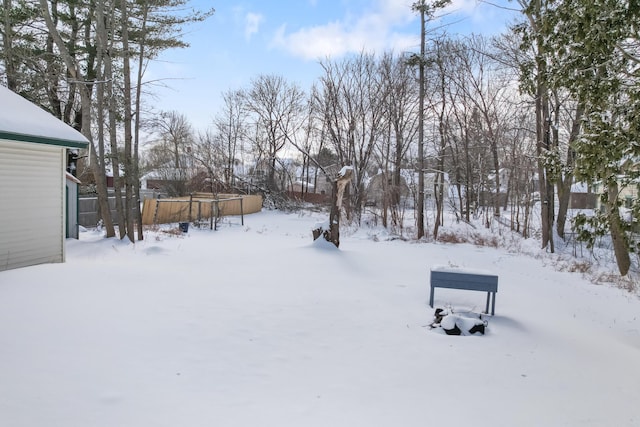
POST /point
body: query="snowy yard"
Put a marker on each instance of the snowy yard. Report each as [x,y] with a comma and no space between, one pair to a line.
[256,325]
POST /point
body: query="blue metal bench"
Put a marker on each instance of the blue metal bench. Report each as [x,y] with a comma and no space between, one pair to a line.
[466,280]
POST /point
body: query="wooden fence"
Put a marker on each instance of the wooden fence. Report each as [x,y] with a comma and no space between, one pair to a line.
[198,207]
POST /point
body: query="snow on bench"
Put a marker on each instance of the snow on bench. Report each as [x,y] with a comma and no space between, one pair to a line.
[471,280]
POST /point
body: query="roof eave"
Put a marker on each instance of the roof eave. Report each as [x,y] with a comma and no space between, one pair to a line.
[11,136]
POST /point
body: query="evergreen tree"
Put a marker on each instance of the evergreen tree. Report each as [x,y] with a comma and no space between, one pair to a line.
[597,47]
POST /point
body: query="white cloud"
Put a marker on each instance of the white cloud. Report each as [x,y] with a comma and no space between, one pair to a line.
[252,23]
[374,30]
[314,42]
[387,25]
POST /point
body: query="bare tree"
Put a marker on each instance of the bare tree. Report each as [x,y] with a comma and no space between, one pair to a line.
[401,118]
[171,153]
[217,150]
[208,152]
[352,103]
[275,109]
[467,156]
[311,143]
[440,109]
[489,89]
[230,130]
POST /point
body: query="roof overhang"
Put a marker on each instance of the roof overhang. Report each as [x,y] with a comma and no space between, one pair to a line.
[11,136]
[21,120]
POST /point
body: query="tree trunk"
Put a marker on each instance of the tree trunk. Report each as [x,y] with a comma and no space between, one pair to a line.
[334,217]
[102,90]
[101,125]
[7,41]
[546,197]
[496,167]
[85,99]
[340,187]
[618,236]
[541,96]
[136,140]
[438,190]
[566,180]
[564,196]
[439,195]
[128,161]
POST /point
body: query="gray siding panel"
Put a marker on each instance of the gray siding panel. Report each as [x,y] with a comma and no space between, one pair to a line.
[32,207]
[71,200]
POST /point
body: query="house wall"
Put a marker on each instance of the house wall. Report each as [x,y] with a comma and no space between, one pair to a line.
[628,194]
[583,201]
[376,189]
[32,211]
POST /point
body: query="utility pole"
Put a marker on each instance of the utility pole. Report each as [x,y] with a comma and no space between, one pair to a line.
[420,206]
[427,10]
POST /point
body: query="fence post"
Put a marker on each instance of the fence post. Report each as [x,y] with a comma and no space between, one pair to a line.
[190,203]
[211,216]
[217,201]
[241,212]
[155,213]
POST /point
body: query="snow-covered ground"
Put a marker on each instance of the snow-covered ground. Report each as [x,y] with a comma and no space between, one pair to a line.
[255,325]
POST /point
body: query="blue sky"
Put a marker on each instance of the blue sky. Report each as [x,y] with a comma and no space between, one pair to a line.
[246,38]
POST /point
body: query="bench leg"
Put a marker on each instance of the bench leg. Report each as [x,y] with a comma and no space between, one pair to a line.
[431,297]
[493,304]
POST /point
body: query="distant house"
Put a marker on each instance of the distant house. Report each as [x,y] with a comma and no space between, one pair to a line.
[378,188]
[33,157]
[582,197]
[314,179]
[628,193]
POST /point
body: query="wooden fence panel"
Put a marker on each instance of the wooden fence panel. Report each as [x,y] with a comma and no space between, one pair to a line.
[201,206]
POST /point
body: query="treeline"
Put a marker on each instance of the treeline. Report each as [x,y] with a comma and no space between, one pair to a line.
[512,120]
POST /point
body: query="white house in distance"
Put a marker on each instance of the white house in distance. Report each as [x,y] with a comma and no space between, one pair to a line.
[32,182]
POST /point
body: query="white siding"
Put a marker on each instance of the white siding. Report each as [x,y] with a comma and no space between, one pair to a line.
[31,204]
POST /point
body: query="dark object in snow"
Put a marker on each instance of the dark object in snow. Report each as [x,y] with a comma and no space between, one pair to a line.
[478,327]
[452,329]
[438,315]
[184,226]
[456,324]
